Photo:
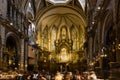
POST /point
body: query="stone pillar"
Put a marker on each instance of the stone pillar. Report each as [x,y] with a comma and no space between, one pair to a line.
[36,59]
[0,50]
[90,48]
[26,54]
[22,65]
[2,34]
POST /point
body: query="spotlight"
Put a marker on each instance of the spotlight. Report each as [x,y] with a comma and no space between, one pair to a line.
[99,8]
[11,23]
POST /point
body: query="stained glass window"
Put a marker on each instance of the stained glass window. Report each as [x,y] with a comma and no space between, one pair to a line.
[58,1]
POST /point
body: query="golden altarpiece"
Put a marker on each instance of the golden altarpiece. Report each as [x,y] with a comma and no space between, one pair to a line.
[63,54]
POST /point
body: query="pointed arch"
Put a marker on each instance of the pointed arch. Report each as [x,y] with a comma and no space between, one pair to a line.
[106,25]
[13,47]
[53,36]
[63,32]
[74,36]
[45,37]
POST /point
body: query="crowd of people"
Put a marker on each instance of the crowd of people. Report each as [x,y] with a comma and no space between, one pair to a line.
[46,75]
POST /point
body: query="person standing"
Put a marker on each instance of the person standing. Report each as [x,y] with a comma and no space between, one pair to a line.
[59,76]
[77,75]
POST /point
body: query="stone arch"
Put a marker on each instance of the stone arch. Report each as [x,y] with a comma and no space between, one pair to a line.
[12,50]
[106,26]
[29,11]
[61,10]
[53,36]
[74,36]
[108,39]
[53,27]
[45,37]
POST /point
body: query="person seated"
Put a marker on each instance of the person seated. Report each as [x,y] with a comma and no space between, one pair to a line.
[92,76]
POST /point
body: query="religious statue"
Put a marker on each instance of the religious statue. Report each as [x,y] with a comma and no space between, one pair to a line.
[64,33]
[64,55]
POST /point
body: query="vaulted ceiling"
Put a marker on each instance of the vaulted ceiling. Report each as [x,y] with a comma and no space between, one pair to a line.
[37,5]
[59,12]
[69,14]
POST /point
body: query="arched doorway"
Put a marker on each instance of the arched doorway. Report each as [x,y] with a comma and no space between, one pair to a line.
[110,41]
[109,50]
[10,55]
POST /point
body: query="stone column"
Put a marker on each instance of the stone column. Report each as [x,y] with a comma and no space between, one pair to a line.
[90,50]
[90,47]
[22,65]
[0,53]
[2,34]
[26,54]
